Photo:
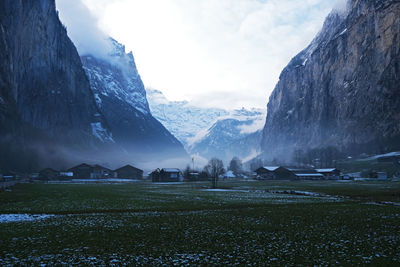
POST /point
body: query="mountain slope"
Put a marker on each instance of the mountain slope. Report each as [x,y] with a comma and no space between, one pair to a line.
[210,132]
[47,104]
[121,97]
[180,117]
[344,89]
[236,135]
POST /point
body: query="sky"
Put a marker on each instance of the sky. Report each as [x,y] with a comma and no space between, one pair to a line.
[214,53]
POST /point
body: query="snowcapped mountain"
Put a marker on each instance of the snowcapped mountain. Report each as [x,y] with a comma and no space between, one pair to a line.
[120,96]
[238,134]
[181,118]
[210,132]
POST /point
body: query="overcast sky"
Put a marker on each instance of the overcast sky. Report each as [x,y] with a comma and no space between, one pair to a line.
[221,53]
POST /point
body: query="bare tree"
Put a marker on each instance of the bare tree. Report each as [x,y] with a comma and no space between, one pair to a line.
[214,168]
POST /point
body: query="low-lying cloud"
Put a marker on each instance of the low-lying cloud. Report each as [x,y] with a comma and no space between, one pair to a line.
[82,27]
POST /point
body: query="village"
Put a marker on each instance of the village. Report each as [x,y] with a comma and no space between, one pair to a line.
[97,173]
[368,168]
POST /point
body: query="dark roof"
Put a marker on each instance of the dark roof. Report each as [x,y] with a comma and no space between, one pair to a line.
[327,170]
[101,167]
[128,167]
[269,168]
[170,170]
[48,169]
[80,165]
[299,171]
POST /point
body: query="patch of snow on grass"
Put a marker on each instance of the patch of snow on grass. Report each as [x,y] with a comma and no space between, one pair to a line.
[8,218]
[222,190]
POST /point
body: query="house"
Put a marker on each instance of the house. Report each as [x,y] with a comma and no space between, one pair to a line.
[283,173]
[167,175]
[266,173]
[66,175]
[330,174]
[129,172]
[99,172]
[82,171]
[194,176]
[48,174]
[378,175]
[228,175]
[275,173]
[155,175]
[306,174]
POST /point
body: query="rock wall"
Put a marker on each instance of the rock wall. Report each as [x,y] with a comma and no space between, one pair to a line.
[46,101]
[344,89]
[121,97]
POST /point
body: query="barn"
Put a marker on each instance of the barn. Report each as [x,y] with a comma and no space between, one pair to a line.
[129,172]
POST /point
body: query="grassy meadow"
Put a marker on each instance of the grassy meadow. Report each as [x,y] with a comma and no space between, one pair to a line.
[246,223]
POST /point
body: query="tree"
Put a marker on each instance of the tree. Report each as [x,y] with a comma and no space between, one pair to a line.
[214,168]
[236,166]
[186,173]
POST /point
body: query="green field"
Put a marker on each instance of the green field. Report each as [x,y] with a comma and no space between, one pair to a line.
[250,223]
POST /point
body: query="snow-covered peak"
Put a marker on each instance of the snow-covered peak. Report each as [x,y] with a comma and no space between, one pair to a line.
[116,77]
[208,131]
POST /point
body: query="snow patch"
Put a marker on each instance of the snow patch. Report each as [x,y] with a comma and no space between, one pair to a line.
[101,133]
[9,218]
[222,190]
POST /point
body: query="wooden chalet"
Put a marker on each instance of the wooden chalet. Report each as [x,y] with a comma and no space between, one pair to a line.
[100,172]
[82,171]
[282,173]
[275,173]
[129,172]
[266,172]
[49,174]
[306,174]
[329,174]
[166,175]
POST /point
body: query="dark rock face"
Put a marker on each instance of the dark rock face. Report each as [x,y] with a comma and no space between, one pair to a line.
[344,89]
[46,100]
[121,97]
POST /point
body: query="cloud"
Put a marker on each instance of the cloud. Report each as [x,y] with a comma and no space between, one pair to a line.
[221,53]
[341,6]
[82,28]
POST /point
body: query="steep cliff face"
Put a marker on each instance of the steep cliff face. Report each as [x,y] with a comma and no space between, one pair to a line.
[344,89]
[46,100]
[121,97]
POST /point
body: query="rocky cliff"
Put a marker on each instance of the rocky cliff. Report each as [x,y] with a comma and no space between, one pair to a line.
[47,106]
[120,95]
[343,90]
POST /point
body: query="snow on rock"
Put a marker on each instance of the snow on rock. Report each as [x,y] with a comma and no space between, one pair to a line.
[101,133]
[116,77]
[197,127]
[181,118]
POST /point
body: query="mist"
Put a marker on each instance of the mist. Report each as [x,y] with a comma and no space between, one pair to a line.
[82,28]
[341,6]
